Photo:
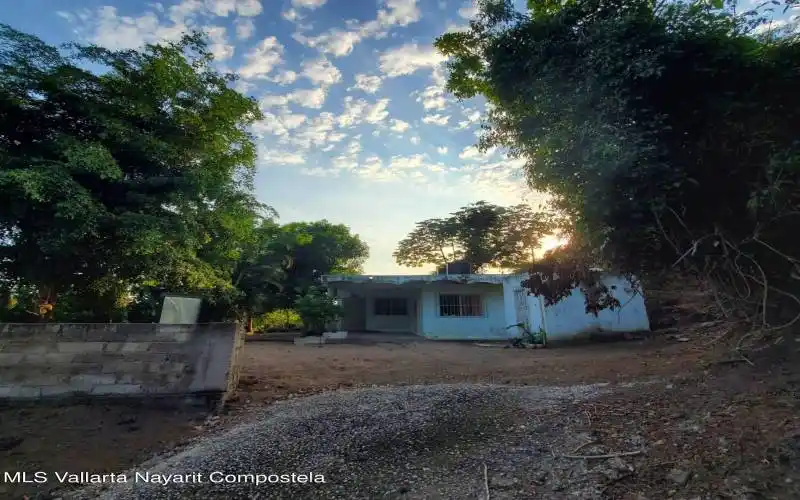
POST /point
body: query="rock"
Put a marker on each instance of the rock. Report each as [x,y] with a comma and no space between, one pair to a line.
[679,476]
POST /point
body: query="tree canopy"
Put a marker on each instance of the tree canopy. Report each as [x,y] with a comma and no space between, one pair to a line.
[135,178]
[667,131]
[481,234]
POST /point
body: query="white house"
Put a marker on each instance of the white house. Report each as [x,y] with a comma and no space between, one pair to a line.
[475,307]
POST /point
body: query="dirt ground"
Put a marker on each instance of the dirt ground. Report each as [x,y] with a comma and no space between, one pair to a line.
[711,422]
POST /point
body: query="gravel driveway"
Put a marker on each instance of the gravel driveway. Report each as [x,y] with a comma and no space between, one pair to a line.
[381,443]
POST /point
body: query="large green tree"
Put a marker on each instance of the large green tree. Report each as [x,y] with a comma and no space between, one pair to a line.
[666,130]
[481,234]
[312,249]
[125,174]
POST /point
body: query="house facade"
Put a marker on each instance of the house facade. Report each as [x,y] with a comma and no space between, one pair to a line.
[474,307]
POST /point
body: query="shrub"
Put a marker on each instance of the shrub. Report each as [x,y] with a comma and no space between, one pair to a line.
[279,319]
[317,310]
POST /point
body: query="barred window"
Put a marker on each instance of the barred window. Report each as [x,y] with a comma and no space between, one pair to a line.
[391,307]
[460,305]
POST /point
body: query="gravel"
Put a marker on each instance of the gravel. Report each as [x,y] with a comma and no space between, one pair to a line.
[389,443]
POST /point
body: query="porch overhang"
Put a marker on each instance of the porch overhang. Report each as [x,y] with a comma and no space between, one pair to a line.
[408,279]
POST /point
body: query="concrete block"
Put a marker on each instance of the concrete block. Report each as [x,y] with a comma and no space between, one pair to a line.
[113,347]
[165,347]
[131,347]
[340,335]
[20,392]
[123,366]
[80,347]
[46,379]
[58,390]
[101,332]
[84,369]
[174,333]
[117,389]
[92,380]
[10,358]
[73,332]
[31,348]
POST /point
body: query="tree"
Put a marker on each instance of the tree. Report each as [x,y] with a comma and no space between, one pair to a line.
[114,177]
[481,234]
[665,130]
[312,249]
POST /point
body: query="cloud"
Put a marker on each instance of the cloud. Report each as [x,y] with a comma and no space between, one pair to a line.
[367,83]
[284,77]
[336,42]
[308,4]
[357,111]
[407,162]
[321,71]
[339,43]
[432,98]
[472,153]
[279,124]
[309,98]
[219,46]
[469,153]
[399,126]
[436,119]
[245,8]
[409,58]
[415,140]
[107,28]
[280,157]
[245,28]
[441,150]
[377,112]
[262,58]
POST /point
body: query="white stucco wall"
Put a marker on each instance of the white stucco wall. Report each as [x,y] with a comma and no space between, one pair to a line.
[569,318]
[490,326]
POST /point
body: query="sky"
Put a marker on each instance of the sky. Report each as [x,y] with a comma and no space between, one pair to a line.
[358,127]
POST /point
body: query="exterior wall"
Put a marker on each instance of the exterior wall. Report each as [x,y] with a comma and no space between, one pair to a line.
[491,326]
[49,360]
[354,318]
[568,318]
[398,324]
[532,309]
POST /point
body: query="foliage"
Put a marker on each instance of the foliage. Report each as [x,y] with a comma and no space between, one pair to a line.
[481,234]
[279,319]
[113,178]
[316,248]
[317,310]
[133,179]
[666,131]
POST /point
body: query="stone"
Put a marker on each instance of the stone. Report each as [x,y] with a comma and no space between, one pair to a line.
[679,476]
[20,392]
[9,443]
[92,380]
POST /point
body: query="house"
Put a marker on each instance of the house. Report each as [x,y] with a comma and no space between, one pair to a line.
[475,307]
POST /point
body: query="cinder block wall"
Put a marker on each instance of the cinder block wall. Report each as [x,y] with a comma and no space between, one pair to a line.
[62,360]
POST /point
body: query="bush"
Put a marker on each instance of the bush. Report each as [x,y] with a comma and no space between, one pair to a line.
[317,310]
[279,319]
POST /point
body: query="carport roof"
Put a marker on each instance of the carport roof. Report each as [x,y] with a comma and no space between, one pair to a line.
[415,278]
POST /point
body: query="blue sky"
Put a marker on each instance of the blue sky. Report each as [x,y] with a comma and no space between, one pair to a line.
[358,128]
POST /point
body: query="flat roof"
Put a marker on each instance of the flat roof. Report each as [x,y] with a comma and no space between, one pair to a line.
[401,279]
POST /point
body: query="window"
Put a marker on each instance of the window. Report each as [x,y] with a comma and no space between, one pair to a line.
[391,307]
[460,305]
